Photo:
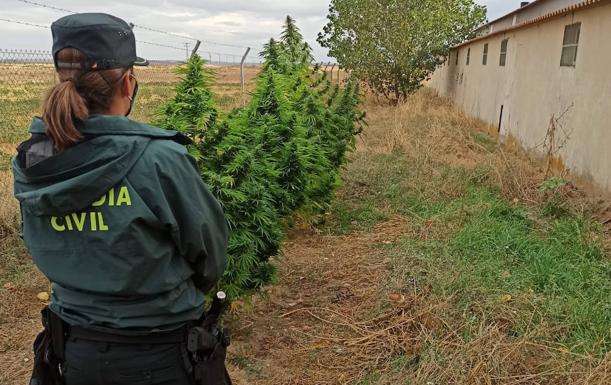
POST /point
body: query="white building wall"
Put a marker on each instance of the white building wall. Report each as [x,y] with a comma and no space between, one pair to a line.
[532,11]
[533,86]
[543,7]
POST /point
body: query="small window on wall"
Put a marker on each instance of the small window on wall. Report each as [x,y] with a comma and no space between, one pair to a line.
[503,59]
[485,58]
[456,57]
[468,56]
[569,45]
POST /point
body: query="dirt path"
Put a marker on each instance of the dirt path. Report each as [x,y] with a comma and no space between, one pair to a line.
[319,324]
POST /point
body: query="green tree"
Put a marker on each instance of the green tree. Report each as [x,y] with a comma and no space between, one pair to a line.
[395,45]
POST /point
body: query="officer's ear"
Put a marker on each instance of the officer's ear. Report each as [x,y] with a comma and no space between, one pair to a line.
[128,82]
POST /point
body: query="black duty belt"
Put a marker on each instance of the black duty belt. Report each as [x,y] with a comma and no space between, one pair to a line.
[165,337]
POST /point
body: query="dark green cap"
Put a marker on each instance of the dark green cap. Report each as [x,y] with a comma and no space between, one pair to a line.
[107,41]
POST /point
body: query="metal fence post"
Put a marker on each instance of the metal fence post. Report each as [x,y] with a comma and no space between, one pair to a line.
[242,71]
[196,48]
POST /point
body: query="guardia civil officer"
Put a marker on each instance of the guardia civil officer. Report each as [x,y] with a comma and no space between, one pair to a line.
[116,216]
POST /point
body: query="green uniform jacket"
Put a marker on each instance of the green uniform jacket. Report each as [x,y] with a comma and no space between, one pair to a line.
[123,226]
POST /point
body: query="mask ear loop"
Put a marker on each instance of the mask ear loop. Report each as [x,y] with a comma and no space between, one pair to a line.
[131,98]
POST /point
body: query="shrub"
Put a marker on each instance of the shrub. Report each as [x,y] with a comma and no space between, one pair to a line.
[277,156]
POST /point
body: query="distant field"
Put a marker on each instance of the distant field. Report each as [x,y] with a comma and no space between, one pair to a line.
[22,87]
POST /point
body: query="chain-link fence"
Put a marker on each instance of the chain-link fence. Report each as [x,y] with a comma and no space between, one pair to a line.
[25,77]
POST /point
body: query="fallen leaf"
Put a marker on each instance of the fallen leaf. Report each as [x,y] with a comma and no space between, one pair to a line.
[43,296]
[394,297]
[506,274]
[505,298]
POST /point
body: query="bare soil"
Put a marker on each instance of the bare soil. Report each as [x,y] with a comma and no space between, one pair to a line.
[320,324]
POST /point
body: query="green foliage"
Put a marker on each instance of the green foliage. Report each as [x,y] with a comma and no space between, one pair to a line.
[552,184]
[395,45]
[556,204]
[242,177]
[564,265]
[477,247]
[297,51]
[279,155]
[192,110]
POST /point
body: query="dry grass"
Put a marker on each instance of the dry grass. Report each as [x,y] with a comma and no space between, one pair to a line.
[9,209]
[431,130]
[435,132]
[334,319]
[351,309]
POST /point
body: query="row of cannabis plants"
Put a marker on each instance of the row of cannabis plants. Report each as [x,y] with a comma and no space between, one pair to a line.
[278,156]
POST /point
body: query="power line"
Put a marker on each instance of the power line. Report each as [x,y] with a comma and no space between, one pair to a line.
[164,32]
[46,6]
[47,27]
[34,3]
[24,23]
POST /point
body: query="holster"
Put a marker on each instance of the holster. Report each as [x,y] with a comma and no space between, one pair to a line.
[49,349]
[208,349]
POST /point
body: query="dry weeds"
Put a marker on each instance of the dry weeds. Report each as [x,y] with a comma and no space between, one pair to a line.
[333,320]
[9,209]
[336,316]
[434,132]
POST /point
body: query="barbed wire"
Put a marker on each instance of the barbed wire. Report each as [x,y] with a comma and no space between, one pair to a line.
[187,37]
[161,45]
[156,30]
[24,23]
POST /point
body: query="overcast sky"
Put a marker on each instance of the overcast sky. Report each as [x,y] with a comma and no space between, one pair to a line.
[233,22]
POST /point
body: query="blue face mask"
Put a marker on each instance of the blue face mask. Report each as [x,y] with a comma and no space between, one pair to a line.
[132,98]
